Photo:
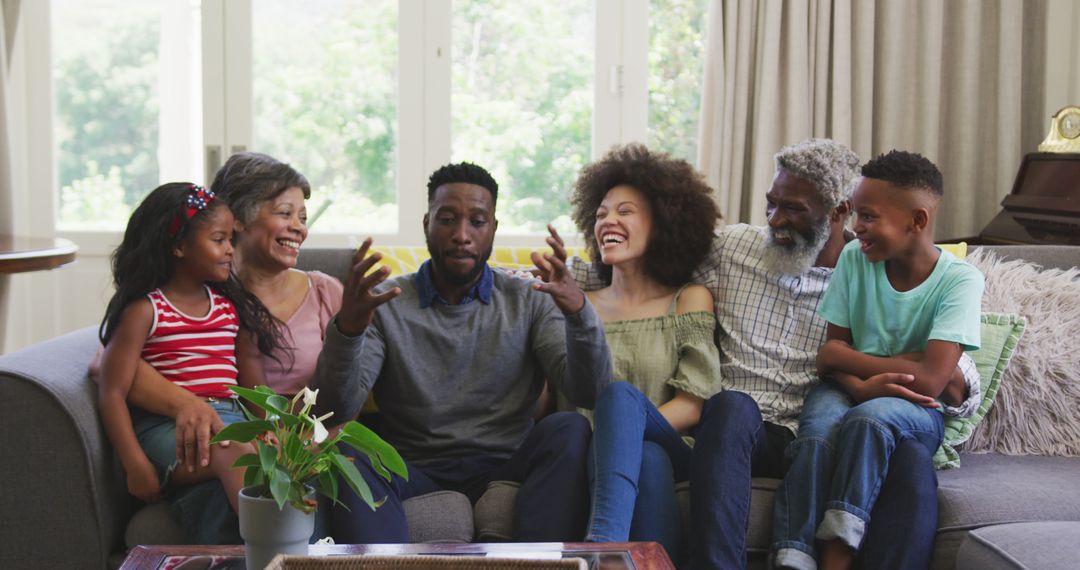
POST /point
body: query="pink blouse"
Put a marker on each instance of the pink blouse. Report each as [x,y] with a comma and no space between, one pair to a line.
[305,332]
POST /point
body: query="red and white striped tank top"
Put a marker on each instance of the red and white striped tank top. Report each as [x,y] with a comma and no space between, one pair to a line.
[197,353]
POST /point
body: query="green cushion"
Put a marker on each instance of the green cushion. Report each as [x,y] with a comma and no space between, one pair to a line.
[1000,333]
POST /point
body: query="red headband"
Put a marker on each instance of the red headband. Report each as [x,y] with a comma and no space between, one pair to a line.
[198,198]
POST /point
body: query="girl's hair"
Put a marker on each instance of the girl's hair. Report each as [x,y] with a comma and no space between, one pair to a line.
[144,261]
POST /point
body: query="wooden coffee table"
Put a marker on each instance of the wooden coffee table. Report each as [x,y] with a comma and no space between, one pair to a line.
[612,555]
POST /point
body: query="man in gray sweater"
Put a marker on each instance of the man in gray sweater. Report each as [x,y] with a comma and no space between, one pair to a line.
[456,355]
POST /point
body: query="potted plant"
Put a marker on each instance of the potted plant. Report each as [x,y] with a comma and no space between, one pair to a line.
[295,458]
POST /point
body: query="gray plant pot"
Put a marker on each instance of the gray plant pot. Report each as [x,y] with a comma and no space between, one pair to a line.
[268,531]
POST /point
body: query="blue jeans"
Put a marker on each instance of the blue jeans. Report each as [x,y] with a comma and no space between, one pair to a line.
[636,458]
[837,467]
[551,504]
[732,444]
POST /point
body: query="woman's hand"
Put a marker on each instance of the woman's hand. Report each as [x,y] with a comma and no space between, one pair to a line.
[358,303]
[196,423]
[556,278]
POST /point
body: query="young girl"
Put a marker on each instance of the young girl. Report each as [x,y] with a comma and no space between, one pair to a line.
[179,307]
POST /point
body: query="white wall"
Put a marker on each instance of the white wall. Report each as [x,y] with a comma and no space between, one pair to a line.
[46,304]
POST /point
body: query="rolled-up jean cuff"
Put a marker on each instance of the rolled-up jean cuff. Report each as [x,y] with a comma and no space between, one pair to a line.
[842,525]
[793,557]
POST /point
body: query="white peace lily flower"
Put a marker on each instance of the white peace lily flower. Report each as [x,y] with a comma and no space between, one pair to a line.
[309,396]
[320,431]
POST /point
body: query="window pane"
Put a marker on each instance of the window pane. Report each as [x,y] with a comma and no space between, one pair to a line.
[326,101]
[521,103]
[676,66]
[122,124]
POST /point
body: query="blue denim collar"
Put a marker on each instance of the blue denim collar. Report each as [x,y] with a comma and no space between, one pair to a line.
[425,287]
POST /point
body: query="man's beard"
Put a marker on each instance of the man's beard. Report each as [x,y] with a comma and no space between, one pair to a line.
[799,258]
[457,279]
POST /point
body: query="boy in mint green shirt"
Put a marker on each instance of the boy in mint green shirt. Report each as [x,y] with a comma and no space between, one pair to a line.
[900,313]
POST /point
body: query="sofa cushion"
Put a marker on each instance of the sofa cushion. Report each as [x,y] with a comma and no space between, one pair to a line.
[998,489]
[1000,333]
[442,516]
[1021,545]
[994,489]
[1036,408]
[494,511]
[153,524]
[439,517]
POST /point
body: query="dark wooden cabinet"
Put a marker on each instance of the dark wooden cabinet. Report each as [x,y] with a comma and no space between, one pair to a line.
[1044,205]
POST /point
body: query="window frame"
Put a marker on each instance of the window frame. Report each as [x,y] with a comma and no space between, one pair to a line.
[620,101]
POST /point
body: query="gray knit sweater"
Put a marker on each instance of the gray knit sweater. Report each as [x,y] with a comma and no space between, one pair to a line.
[457,380]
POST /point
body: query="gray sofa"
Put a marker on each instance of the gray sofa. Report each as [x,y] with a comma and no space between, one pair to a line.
[64,504]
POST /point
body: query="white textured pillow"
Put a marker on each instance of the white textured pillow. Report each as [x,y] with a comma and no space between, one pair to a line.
[1037,411]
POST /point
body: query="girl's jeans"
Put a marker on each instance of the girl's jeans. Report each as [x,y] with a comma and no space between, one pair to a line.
[635,460]
[838,463]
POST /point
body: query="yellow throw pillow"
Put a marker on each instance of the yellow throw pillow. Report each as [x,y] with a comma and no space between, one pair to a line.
[957,249]
[407,259]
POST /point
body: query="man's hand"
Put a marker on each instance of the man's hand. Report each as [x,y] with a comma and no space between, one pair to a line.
[556,279]
[142,481]
[196,423]
[358,303]
[891,384]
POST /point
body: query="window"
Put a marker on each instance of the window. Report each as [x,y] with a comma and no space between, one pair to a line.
[122,123]
[676,62]
[360,96]
[521,102]
[325,90]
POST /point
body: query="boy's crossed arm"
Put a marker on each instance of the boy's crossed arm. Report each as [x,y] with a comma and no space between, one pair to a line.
[917,377]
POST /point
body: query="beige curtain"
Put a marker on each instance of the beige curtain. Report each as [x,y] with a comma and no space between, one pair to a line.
[958,81]
[9,19]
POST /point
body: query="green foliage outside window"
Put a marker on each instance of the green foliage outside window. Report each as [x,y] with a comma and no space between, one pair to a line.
[106,128]
[326,101]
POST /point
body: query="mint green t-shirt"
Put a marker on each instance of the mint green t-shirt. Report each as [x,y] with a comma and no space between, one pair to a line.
[887,322]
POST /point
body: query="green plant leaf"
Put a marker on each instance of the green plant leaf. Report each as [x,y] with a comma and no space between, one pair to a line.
[363,439]
[246,460]
[377,464]
[295,450]
[279,404]
[328,486]
[253,477]
[242,431]
[352,477]
[280,486]
[256,395]
[267,459]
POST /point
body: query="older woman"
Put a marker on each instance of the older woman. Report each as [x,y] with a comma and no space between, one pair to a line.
[267,198]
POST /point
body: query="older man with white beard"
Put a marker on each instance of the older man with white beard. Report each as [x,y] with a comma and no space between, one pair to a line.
[767,282]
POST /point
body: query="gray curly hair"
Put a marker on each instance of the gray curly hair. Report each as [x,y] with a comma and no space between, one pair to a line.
[248,179]
[830,166]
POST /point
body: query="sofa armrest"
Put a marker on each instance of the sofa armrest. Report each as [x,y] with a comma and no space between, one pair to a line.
[63,497]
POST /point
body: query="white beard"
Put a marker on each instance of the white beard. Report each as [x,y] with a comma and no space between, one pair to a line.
[796,259]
